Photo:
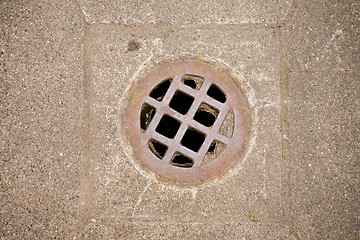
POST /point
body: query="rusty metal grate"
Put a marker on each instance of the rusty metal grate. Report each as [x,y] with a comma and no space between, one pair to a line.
[187,121]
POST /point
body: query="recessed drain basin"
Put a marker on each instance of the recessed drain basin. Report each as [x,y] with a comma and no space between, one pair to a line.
[187,121]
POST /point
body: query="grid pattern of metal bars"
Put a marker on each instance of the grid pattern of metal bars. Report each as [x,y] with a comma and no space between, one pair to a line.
[174,145]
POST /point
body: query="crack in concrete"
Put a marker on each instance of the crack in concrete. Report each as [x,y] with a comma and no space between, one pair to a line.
[82,13]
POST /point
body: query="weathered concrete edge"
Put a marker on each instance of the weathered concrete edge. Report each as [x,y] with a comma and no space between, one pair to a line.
[286,191]
[86,186]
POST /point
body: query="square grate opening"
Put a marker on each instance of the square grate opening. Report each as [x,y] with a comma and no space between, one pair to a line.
[160,90]
[216,93]
[193,139]
[168,126]
[157,148]
[180,160]
[206,114]
[181,102]
[193,81]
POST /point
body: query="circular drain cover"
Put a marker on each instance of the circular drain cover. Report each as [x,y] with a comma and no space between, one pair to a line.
[187,121]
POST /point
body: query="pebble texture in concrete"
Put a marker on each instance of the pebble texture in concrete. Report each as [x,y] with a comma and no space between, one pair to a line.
[67,171]
[323,118]
[185,11]
[325,162]
[41,79]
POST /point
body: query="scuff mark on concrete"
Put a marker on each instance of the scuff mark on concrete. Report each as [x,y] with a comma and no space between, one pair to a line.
[194,192]
[140,199]
[334,44]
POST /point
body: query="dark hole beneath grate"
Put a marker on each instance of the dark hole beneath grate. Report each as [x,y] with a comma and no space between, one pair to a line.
[181,102]
[160,90]
[212,147]
[157,148]
[168,126]
[147,114]
[180,160]
[216,93]
[206,115]
[193,139]
[215,149]
[193,81]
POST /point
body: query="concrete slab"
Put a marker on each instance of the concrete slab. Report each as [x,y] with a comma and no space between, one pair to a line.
[325,166]
[323,99]
[185,11]
[41,82]
[124,192]
[67,171]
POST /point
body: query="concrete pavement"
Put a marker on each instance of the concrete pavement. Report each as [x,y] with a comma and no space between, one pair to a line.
[68,171]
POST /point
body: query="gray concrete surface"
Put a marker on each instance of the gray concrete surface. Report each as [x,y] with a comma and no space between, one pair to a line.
[67,170]
[41,95]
